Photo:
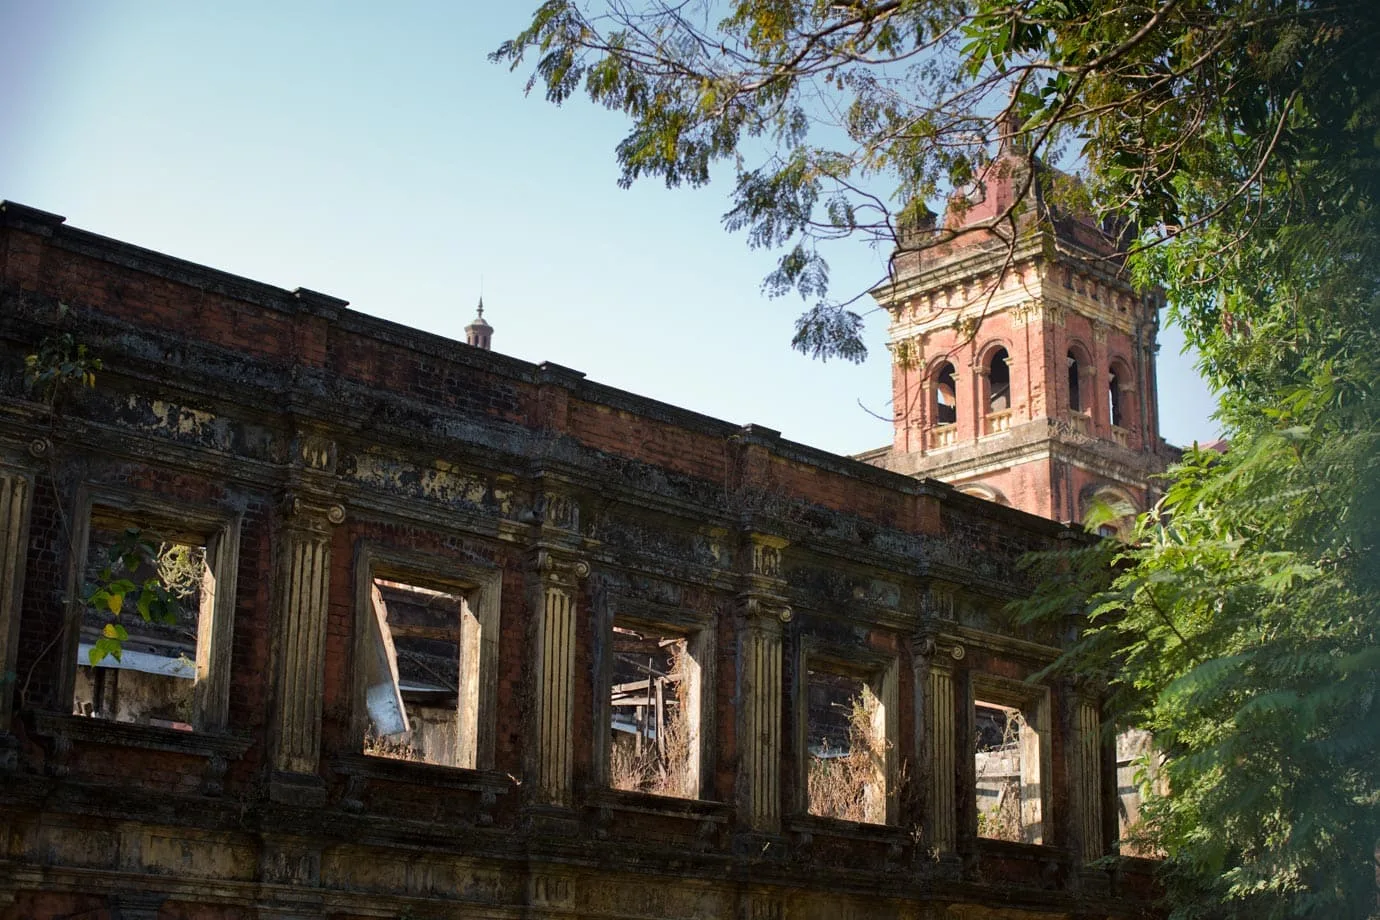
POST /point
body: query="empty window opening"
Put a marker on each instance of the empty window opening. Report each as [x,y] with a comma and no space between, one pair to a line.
[414,677]
[145,616]
[653,713]
[998,382]
[1007,771]
[1114,387]
[945,401]
[1137,774]
[1075,389]
[846,749]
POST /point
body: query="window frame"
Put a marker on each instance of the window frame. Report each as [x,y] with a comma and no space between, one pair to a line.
[1079,369]
[219,531]
[481,588]
[993,353]
[1034,701]
[880,672]
[936,391]
[700,641]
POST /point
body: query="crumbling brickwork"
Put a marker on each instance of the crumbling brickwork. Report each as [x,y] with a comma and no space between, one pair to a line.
[336,469]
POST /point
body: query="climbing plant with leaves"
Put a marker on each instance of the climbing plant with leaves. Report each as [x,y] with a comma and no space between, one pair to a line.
[119,587]
[61,363]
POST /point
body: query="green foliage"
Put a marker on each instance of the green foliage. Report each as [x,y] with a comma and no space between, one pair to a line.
[154,597]
[1239,621]
[844,119]
[60,363]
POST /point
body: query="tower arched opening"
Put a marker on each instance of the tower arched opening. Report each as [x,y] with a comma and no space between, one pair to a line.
[945,396]
[998,382]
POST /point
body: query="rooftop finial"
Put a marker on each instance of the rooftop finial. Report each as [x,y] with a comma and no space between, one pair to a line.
[479,333]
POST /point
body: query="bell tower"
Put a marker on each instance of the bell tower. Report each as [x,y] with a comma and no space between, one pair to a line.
[1023,373]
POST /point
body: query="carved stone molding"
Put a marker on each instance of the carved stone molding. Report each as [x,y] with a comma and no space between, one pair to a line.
[312,512]
[932,648]
[766,554]
[315,452]
[290,862]
[560,511]
[939,601]
[560,569]
[549,890]
[758,608]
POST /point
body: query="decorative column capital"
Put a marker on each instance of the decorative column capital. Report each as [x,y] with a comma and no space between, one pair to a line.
[939,652]
[307,511]
[558,568]
[764,611]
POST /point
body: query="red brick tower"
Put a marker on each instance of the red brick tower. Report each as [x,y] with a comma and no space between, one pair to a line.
[1024,374]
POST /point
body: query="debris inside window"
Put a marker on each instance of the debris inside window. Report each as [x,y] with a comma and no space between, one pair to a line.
[652,732]
[1007,763]
[412,679]
[846,749]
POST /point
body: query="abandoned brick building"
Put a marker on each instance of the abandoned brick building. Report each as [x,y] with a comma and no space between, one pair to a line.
[434,632]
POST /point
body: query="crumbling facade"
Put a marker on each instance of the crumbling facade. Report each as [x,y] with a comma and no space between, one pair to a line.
[1023,358]
[435,632]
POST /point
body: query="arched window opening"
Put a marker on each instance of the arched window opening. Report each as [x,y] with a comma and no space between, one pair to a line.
[1114,407]
[1109,512]
[1075,391]
[945,401]
[998,383]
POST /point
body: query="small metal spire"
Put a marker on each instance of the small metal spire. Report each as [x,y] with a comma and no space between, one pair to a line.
[479,333]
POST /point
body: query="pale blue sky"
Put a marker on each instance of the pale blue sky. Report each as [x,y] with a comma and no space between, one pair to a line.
[370,151]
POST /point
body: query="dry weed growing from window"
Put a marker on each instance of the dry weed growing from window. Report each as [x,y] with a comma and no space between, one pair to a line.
[1002,821]
[851,785]
[649,770]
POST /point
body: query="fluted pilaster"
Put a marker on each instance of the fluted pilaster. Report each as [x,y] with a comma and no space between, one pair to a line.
[761,711]
[303,587]
[1085,777]
[16,491]
[938,736]
[555,678]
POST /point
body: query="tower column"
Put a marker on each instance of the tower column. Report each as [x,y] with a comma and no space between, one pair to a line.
[1102,409]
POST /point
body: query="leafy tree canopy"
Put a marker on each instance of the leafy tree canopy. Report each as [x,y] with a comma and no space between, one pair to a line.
[1242,138]
[849,118]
